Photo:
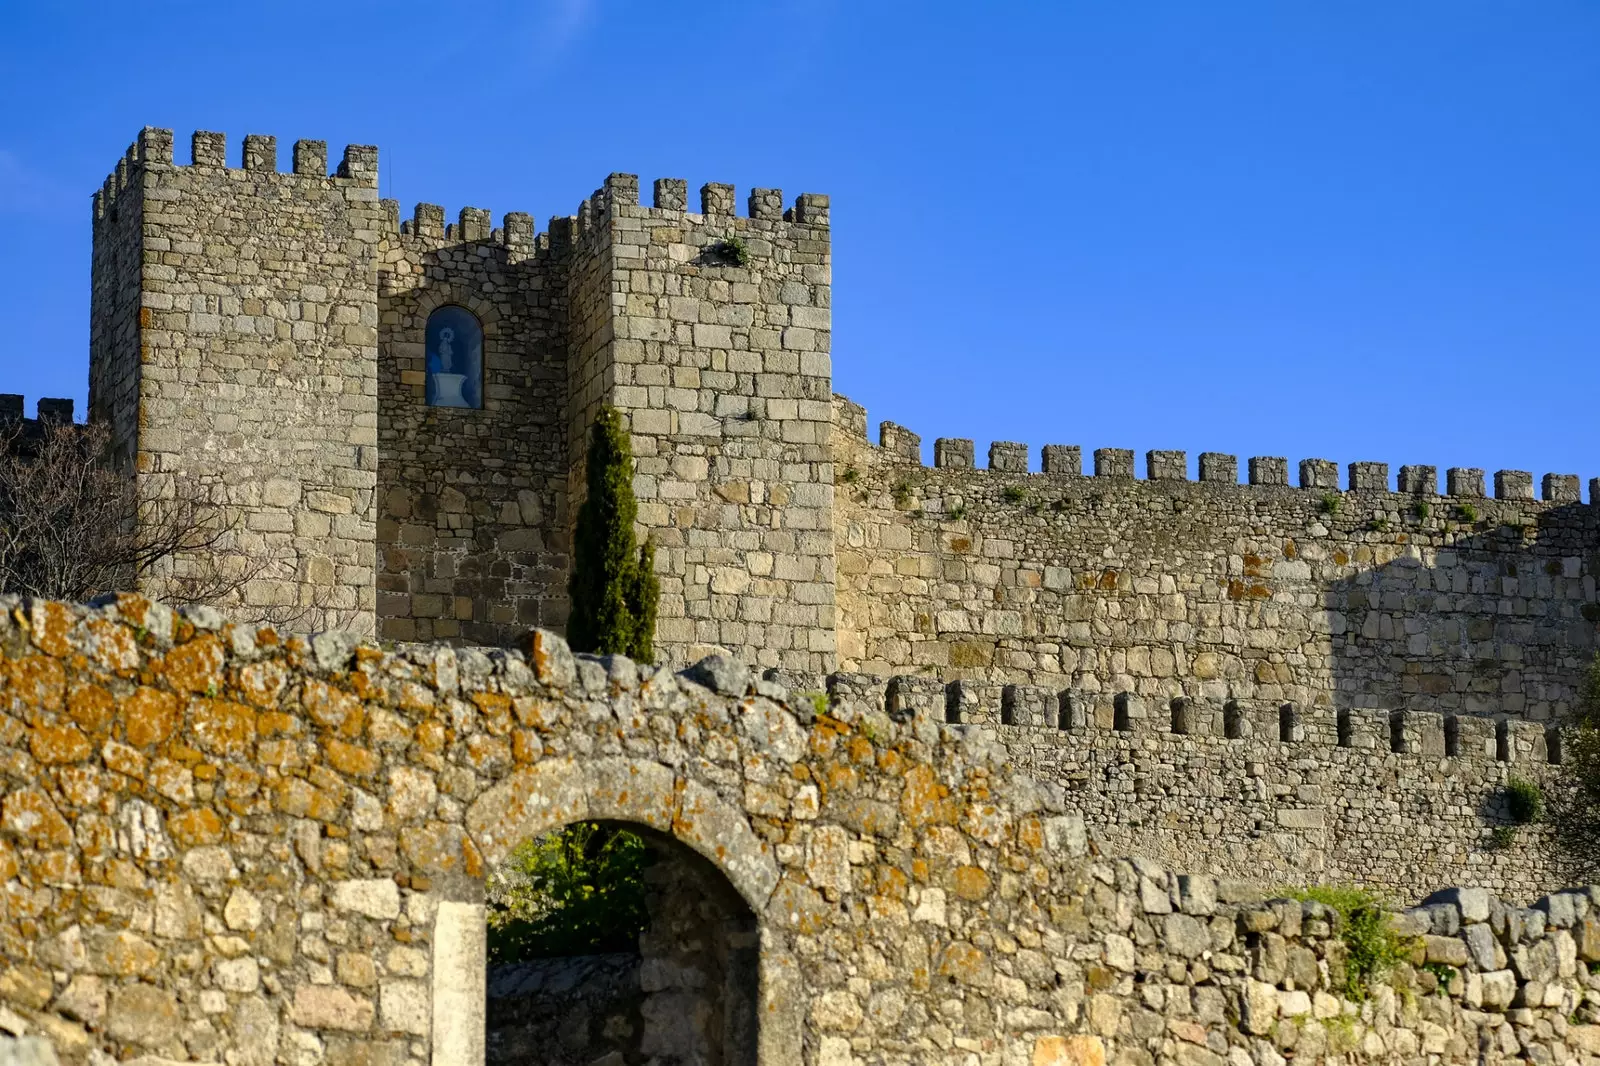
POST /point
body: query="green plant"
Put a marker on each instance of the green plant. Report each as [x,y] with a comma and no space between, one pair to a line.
[1504,836]
[1442,972]
[1372,947]
[1594,966]
[1422,509]
[1329,503]
[613,588]
[818,701]
[1378,525]
[576,891]
[901,491]
[1467,512]
[958,511]
[733,249]
[1036,506]
[850,476]
[1014,493]
[1525,799]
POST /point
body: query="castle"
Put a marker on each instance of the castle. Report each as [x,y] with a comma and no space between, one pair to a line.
[397,411]
[219,843]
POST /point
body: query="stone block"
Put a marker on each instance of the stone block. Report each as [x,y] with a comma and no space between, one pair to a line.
[1166,465]
[1063,459]
[1219,468]
[1369,477]
[1560,488]
[953,453]
[1513,485]
[1008,456]
[1113,462]
[1319,474]
[1419,480]
[1269,470]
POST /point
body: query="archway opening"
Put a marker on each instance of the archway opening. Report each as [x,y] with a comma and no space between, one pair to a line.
[613,944]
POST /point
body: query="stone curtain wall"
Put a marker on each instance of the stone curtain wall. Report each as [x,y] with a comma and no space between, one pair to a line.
[723,375]
[1266,794]
[1213,590]
[472,531]
[219,843]
[255,360]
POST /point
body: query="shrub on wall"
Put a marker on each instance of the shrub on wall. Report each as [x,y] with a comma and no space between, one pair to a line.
[1371,945]
[577,891]
[614,587]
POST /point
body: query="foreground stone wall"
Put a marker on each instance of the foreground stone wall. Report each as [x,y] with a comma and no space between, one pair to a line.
[1213,590]
[227,843]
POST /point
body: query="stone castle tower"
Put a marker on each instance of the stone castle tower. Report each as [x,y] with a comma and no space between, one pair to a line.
[396,412]
[268,334]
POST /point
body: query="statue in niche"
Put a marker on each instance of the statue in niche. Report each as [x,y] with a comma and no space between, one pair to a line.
[455,359]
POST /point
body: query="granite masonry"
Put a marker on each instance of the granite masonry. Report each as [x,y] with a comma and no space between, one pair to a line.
[218,844]
[266,334]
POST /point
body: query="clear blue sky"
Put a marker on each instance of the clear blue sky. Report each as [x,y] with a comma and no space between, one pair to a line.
[1355,230]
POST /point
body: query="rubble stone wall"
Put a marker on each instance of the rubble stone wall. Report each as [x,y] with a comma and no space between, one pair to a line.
[1361,598]
[223,843]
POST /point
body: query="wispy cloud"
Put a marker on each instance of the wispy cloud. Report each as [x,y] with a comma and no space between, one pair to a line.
[26,191]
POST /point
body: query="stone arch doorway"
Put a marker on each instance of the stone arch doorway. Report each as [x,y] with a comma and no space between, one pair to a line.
[711,853]
[683,992]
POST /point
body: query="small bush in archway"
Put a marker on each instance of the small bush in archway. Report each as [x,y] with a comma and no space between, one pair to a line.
[576,891]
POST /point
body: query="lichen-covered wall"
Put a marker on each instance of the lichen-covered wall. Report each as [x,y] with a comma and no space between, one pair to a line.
[1165,587]
[222,843]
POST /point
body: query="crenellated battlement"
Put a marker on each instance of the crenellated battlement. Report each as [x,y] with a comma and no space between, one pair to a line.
[898,444]
[258,159]
[1022,713]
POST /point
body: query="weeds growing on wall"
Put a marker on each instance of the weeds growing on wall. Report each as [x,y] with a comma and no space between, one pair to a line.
[1575,814]
[1525,800]
[577,891]
[613,587]
[1371,946]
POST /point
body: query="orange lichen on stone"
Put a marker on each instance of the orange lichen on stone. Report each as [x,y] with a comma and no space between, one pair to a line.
[328,707]
[350,759]
[970,883]
[924,800]
[196,827]
[261,683]
[196,666]
[51,623]
[29,814]
[222,728]
[59,744]
[112,647]
[123,759]
[149,716]
[91,706]
[36,682]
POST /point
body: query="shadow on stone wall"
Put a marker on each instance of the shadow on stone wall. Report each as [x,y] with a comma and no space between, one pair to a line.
[1503,622]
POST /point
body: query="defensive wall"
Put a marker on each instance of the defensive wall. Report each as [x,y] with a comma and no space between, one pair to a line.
[226,845]
[1331,597]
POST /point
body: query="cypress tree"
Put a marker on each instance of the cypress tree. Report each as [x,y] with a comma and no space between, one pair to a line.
[613,587]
